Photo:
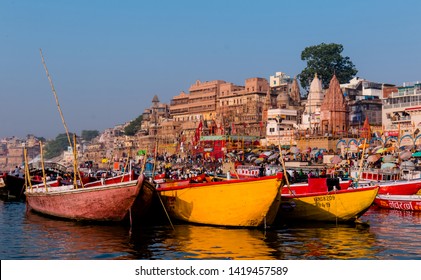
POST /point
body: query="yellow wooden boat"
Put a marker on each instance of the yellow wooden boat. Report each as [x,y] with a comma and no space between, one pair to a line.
[345,205]
[238,203]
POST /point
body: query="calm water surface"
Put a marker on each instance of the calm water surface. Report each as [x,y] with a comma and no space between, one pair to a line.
[391,235]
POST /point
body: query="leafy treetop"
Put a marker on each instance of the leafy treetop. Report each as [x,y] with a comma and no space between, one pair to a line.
[325,60]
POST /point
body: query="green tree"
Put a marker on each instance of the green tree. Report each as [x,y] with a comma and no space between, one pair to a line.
[56,147]
[133,126]
[42,139]
[326,60]
[88,135]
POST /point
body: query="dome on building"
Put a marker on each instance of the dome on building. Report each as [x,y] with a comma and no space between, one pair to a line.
[283,99]
[315,86]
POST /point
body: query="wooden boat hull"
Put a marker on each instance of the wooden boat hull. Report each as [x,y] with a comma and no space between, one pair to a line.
[335,206]
[112,180]
[400,187]
[14,187]
[237,203]
[140,210]
[102,203]
[399,202]
[175,183]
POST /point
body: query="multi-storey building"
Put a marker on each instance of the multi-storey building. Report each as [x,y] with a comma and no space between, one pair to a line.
[12,151]
[198,104]
[364,102]
[280,82]
[281,126]
[240,109]
[402,112]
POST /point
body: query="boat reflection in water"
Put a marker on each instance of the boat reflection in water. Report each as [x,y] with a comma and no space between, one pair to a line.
[392,235]
[67,240]
[316,242]
[205,242]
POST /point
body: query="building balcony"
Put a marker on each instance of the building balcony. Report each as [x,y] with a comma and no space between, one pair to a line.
[401,120]
[401,105]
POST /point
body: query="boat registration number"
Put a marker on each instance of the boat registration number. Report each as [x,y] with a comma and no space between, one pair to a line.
[324,201]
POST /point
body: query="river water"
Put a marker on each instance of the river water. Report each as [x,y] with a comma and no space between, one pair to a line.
[387,235]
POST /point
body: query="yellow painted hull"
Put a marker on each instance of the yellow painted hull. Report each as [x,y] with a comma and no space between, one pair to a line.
[339,206]
[238,203]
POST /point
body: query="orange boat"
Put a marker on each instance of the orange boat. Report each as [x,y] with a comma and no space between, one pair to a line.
[250,202]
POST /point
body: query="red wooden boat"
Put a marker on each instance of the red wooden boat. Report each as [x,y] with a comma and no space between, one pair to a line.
[111,202]
[111,180]
[162,182]
[314,185]
[172,183]
[399,202]
[393,182]
[399,187]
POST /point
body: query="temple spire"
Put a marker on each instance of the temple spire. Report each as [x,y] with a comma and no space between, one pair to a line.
[334,116]
[295,91]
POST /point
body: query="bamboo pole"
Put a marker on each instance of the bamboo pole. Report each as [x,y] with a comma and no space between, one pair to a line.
[154,161]
[283,166]
[281,155]
[56,98]
[76,170]
[27,175]
[125,167]
[362,159]
[75,165]
[44,180]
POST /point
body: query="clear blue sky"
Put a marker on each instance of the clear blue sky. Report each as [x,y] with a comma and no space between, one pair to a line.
[108,59]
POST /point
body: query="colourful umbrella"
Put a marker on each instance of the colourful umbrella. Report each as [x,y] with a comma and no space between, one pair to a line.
[375,149]
[373,158]
[405,155]
[294,150]
[364,146]
[141,152]
[388,158]
[335,159]
[388,165]
[273,157]
[381,151]
[417,154]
